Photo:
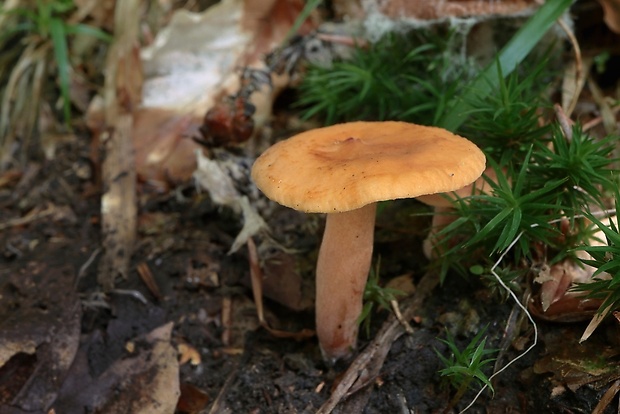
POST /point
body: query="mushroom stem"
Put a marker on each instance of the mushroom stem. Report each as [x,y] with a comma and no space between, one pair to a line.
[341,274]
[442,217]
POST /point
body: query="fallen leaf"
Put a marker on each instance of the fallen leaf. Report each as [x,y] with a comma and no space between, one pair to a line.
[39,328]
[145,382]
[575,366]
[256,276]
[283,283]
[412,13]
[193,66]
[219,177]
[192,400]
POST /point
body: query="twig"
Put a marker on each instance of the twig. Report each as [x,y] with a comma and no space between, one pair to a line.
[226,317]
[578,65]
[119,201]
[147,277]
[594,122]
[607,398]
[131,292]
[399,316]
[366,366]
[27,219]
[565,122]
[86,265]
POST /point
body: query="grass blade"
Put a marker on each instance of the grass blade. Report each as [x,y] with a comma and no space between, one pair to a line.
[521,44]
[61,54]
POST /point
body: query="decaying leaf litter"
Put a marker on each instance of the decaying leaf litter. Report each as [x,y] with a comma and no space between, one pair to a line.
[159,271]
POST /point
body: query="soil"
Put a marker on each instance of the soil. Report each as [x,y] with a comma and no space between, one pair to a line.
[184,240]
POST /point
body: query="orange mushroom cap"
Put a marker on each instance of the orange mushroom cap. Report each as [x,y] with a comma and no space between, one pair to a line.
[346,166]
[480,186]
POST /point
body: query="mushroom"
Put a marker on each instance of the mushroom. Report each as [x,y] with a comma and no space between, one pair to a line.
[344,170]
[444,208]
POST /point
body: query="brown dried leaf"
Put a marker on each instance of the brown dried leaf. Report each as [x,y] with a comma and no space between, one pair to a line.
[256,276]
[100,11]
[283,283]
[147,277]
[434,10]
[146,382]
[193,400]
[39,327]
[164,151]
[194,66]
[595,322]
[575,366]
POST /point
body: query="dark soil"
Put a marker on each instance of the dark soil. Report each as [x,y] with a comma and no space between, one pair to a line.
[184,241]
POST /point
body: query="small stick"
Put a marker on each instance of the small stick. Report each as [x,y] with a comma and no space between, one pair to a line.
[578,64]
[86,265]
[565,122]
[399,316]
[27,219]
[147,277]
[226,320]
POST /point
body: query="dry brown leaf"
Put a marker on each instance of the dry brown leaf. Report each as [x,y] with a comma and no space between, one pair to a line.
[256,276]
[403,283]
[100,11]
[163,149]
[218,178]
[573,82]
[193,400]
[379,17]
[145,382]
[283,283]
[40,328]
[576,366]
[557,303]
[147,277]
[193,63]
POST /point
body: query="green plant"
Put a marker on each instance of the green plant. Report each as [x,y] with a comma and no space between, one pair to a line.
[508,58]
[487,224]
[584,161]
[509,276]
[464,368]
[417,77]
[376,297]
[37,35]
[543,177]
[531,198]
[47,23]
[606,259]
[401,77]
[506,122]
